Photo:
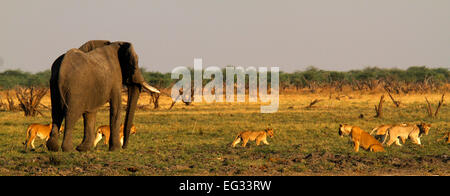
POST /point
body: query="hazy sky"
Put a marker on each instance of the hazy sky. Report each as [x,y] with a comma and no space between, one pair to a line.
[332,34]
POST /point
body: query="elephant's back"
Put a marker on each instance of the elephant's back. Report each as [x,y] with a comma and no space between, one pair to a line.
[83,76]
[74,67]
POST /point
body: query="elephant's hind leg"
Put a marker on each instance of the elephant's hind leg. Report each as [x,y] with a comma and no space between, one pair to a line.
[57,118]
[89,132]
[52,140]
[71,119]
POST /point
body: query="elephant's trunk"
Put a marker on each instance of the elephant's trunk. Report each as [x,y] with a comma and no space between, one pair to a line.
[133,96]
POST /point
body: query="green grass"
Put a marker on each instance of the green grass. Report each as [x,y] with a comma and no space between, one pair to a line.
[195,140]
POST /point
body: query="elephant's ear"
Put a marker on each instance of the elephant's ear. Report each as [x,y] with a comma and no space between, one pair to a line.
[93,44]
[129,64]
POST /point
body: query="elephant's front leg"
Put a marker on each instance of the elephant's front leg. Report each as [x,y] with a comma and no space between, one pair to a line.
[114,121]
[89,131]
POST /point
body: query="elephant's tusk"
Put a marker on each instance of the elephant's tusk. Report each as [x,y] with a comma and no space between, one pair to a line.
[150,88]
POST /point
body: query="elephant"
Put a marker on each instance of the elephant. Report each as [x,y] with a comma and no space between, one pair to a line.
[82,80]
[93,44]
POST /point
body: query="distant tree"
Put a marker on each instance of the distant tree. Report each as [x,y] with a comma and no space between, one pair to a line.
[413,78]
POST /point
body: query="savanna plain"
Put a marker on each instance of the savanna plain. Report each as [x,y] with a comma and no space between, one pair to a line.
[196,139]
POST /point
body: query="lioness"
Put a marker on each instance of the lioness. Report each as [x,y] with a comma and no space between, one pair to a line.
[446,135]
[360,138]
[39,130]
[253,135]
[414,132]
[380,131]
[104,131]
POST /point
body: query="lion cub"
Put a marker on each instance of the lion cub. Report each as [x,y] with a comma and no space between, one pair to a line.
[253,135]
[414,132]
[360,138]
[39,130]
[104,131]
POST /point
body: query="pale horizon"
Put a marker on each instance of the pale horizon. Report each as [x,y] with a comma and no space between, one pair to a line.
[293,35]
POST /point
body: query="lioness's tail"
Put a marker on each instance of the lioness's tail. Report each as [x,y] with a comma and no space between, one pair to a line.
[28,134]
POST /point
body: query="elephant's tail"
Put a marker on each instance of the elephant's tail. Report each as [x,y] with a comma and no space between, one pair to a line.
[55,83]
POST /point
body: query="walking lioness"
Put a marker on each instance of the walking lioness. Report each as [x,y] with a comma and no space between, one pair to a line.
[104,131]
[380,131]
[39,130]
[360,138]
[414,132]
[253,135]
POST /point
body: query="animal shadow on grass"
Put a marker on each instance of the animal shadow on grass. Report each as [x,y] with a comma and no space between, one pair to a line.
[251,145]
[41,149]
[54,161]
